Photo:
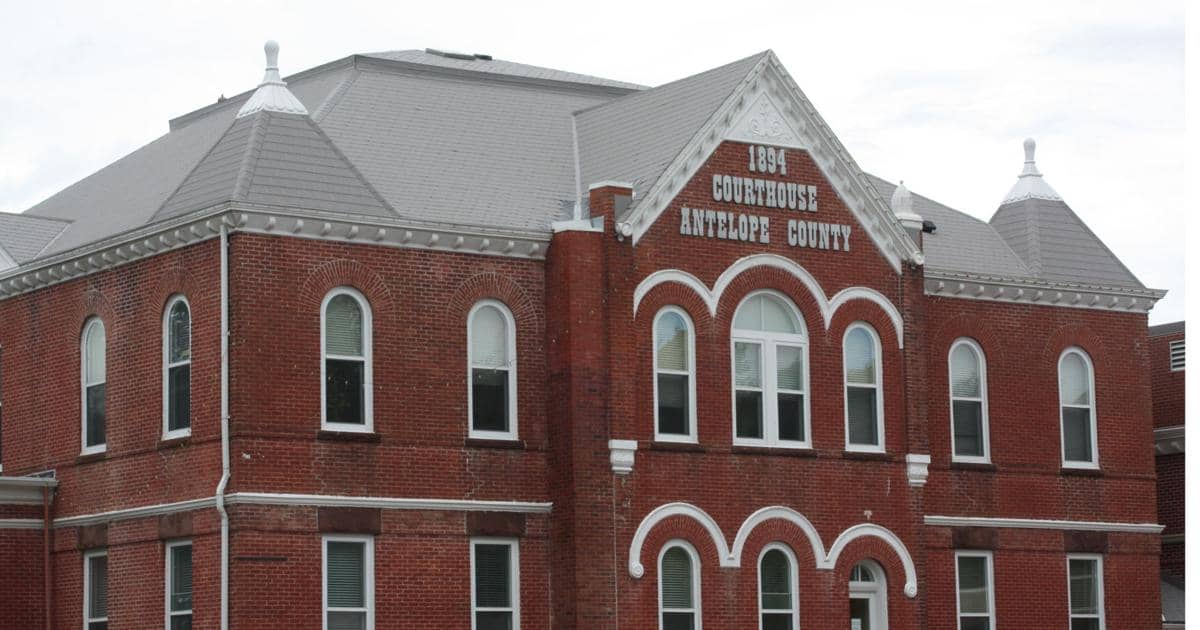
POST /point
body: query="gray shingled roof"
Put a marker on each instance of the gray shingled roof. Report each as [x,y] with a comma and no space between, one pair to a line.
[1170,328]
[24,237]
[961,242]
[1056,245]
[498,66]
[633,139]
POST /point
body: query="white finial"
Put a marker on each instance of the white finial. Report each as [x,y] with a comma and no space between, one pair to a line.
[1030,165]
[272,94]
[1030,184]
[902,205]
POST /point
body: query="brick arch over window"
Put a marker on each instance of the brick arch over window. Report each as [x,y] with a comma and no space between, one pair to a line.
[672,294]
[495,286]
[970,327]
[1077,335]
[93,303]
[174,281]
[878,550]
[340,272]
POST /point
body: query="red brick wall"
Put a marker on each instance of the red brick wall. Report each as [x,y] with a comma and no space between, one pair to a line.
[1168,387]
[21,579]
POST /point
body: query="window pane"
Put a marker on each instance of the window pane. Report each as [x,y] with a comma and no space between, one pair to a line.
[749,415]
[776,581]
[777,316]
[343,327]
[976,623]
[1085,624]
[179,389]
[673,404]
[489,399]
[676,579]
[181,578]
[1084,596]
[493,576]
[344,391]
[860,357]
[968,428]
[181,622]
[98,625]
[489,338]
[862,408]
[179,327]
[1077,434]
[493,621]
[341,620]
[791,417]
[972,585]
[777,621]
[964,372]
[861,573]
[789,367]
[98,586]
[94,362]
[95,415]
[749,315]
[344,575]
[672,340]
[747,359]
[1073,381]
[678,621]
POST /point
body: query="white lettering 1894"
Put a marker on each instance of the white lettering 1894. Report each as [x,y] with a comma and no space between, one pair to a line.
[767,193]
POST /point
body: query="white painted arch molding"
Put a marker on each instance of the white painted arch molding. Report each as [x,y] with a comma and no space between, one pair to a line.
[712,297]
[732,557]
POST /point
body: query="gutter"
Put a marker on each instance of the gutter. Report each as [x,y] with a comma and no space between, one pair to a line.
[224,483]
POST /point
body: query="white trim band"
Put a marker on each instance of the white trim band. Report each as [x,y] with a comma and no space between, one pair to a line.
[1032,523]
[134,512]
[387,503]
[20,523]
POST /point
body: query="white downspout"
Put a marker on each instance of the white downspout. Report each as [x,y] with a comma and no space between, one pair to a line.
[220,494]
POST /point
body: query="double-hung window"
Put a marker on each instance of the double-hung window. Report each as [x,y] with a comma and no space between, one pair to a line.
[94,375]
[976,597]
[674,376]
[495,584]
[968,402]
[864,399]
[770,373]
[678,587]
[95,590]
[1086,584]
[492,367]
[179,586]
[177,368]
[777,589]
[346,392]
[349,583]
[1077,406]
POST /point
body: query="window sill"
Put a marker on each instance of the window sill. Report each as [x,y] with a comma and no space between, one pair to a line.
[175,442]
[872,456]
[1068,471]
[512,445]
[978,466]
[348,436]
[773,451]
[91,457]
[677,447]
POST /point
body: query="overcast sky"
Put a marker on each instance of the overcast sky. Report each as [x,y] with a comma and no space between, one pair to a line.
[939,94]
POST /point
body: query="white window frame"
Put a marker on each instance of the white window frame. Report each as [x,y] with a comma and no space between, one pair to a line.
[1094,464]
[511,326]
[167,433]
[875,591]
[864,448]
[368,425]
[1177,355]
[87,586]
[981,358]
[368,543]
[696,597]
[991,588]
[1099,559]
[514,558]
[793,584]
[692,435]
[168,575]
[84,384]
[768,343]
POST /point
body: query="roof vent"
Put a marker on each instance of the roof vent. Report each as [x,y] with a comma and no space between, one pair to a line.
[272,94]
[457,55]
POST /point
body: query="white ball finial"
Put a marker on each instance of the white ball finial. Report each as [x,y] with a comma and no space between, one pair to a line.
[1030,165]
[272,50]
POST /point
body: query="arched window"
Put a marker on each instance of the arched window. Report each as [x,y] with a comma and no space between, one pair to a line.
[94,375]
[968,402]
[492,371]
[177,368]
[777,589]
[1077,403]
[770,373]
[346,398]
[864,399]
[868,596]
[678,587]
[674,376]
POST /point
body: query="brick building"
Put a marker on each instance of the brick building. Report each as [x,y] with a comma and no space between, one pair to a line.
[1167,355]
[428,340]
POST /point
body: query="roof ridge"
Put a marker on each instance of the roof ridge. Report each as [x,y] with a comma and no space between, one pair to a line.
[565,76]
[1086,228]
[192,171]
[350,164]
[334,98]
[634,94]
[249,163]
